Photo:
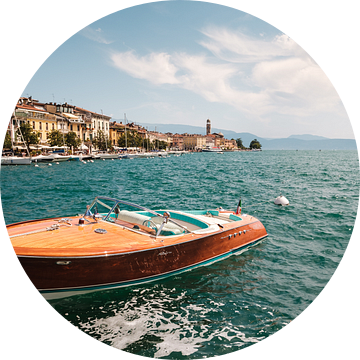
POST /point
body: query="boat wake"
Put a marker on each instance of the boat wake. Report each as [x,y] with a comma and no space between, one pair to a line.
[166,321]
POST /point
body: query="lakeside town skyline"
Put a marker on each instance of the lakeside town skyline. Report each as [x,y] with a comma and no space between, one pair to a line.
[52,123]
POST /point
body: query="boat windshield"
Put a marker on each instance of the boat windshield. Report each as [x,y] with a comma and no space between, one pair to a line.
[135,217]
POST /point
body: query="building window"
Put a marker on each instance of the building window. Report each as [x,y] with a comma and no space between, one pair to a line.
[71,127]
[78,127]
[46,126]
[33,125]
[40,125]
[53,126]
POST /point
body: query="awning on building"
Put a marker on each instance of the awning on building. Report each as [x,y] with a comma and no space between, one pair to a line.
[70,116]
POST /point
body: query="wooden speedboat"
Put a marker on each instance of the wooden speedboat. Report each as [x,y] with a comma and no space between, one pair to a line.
[117,243]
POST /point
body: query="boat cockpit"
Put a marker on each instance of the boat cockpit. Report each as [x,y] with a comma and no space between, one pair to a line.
[155,222]
[134,217]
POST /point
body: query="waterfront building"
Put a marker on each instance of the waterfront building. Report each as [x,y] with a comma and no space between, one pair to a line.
[219,140]
[210,141]
[100,122]
[200,142]
[155,136]
[177,142]
[74,121]
[142,133]
[45,117]
[169,140]
[194,142]
[115,132]
[118,129]
[230,144]
[84,123]
[34,113]
[62,123]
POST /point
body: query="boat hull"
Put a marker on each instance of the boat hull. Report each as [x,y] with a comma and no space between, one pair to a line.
[57,277]
[13,160]
[108,156]
[43,159]
[59,158]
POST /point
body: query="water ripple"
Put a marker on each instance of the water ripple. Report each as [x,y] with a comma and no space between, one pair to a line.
[228,305]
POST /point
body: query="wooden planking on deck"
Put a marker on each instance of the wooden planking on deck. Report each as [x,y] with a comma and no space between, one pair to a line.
[78,240]
[75,239]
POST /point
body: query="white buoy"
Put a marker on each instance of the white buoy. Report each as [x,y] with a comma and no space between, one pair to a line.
[50,165]
[281,200]
[57,163]
[36,165]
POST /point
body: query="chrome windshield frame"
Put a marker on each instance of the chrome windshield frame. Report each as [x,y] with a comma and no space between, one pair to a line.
[117,201]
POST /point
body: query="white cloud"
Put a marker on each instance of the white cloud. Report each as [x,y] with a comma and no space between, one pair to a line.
[95,35]
[155,67]
[239,48]
[213,82]
[252,75]
[296,85]
[207,79]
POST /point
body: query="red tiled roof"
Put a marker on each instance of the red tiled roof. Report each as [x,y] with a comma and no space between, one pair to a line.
[29,107]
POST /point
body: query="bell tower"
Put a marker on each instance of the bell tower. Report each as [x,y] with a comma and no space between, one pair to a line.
[208,127]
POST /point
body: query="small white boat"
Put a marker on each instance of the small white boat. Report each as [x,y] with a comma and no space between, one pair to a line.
[212,150]
[107,156]
[136,155]
[58,157]
[15,160]
[43,158]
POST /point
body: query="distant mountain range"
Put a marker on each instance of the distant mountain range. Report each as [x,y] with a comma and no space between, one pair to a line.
[293,142]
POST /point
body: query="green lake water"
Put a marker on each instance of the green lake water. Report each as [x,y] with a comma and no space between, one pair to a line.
[228,305]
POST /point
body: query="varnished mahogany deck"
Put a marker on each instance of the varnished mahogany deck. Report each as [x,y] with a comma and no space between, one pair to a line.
[75,240]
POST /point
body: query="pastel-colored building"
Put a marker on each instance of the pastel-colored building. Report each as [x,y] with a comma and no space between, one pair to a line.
[30,111]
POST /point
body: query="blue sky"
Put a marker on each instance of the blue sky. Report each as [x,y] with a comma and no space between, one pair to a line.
[184,62]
